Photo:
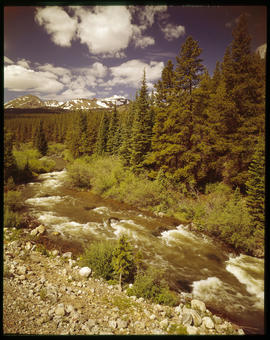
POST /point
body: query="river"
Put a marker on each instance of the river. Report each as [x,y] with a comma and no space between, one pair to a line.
[229,284]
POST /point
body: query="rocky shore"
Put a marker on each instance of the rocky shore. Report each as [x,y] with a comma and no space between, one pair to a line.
[46,292]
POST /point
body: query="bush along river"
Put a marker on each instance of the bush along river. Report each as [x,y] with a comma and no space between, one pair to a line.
[229,284]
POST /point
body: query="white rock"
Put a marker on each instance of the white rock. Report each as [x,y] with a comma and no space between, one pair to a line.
[68,255]
[191,330]
[198,305]
[85,271]
[208,322]
[164,323]
[60,310]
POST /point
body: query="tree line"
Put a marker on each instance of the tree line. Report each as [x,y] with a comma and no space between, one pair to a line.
[192,130]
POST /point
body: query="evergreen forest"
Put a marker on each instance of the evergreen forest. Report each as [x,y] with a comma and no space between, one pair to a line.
[194,146]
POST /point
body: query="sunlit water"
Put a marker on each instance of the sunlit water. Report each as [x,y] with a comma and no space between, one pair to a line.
[233,285]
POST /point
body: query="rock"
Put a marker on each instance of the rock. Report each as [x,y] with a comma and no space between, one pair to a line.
[69,309]
[67,255]
[55,233]
[112,324]
[217,320]
[85,272]
[41,229]
[21,270]
[240,331]
[191,330]
[55,252]
[198,305]
[28,245]
[152,317]
[122,323]
[60,310]
[186,319]
[164,323]
[196,318]
[208,322]
[178,309]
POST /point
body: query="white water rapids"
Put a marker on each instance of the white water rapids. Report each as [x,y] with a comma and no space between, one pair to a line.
[233,285]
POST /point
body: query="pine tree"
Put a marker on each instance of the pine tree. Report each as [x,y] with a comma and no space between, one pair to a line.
[113,133]
[123,259]
[142,128]
[9,160]
[101,143]
[244,78]
[40,140]
[256,187]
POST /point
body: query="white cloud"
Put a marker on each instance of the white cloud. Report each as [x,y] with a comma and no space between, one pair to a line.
[18,78]
[130,73]
[8,61]
[24,63]
[105,30]
[173,31]
[57,23]
[146,14]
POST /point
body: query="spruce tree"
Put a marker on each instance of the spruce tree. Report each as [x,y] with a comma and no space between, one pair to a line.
[123,259]
[40,140]
[9,160]
[101,143]
[256,187]
[244,78]
[142,128]
[113,133]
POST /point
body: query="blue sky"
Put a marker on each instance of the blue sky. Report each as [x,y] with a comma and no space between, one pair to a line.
[68,52]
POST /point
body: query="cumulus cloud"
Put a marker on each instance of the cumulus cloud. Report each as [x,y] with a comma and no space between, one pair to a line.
[18,78]
[57,23]
[104,29]
[130,73]
[8,60]
[173,31]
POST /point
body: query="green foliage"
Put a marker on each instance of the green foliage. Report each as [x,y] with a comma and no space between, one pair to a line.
[98,256]
[152,286]
[11,219]
[256,190]
[178,329]
[9,159]
[56,149]
[13,200]
[123,260]
[40,141]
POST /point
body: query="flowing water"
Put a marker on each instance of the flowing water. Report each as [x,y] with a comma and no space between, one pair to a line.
[229,284]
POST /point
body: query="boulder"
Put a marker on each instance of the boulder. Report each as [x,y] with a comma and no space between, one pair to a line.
[85,272]
[198,305]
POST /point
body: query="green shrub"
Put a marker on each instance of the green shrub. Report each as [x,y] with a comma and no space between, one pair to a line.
[56,149]
[13,200]
[98,257]
[11,219]
[151,285]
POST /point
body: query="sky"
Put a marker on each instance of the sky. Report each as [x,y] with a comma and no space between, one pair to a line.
[69,52]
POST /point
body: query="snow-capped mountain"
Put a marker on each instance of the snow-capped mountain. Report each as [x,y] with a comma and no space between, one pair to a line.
[31,102]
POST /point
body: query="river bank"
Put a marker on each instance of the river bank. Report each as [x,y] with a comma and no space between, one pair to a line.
[195,265]
[45,294]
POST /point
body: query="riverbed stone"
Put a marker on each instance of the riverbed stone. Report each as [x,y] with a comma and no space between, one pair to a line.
[186,319]
[198,305]
[208,322]
[85,272]
[60,310]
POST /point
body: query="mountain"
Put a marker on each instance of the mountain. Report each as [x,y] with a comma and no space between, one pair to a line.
[33,102]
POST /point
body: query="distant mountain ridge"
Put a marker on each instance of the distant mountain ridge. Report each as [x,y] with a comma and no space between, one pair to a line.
[33,102]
